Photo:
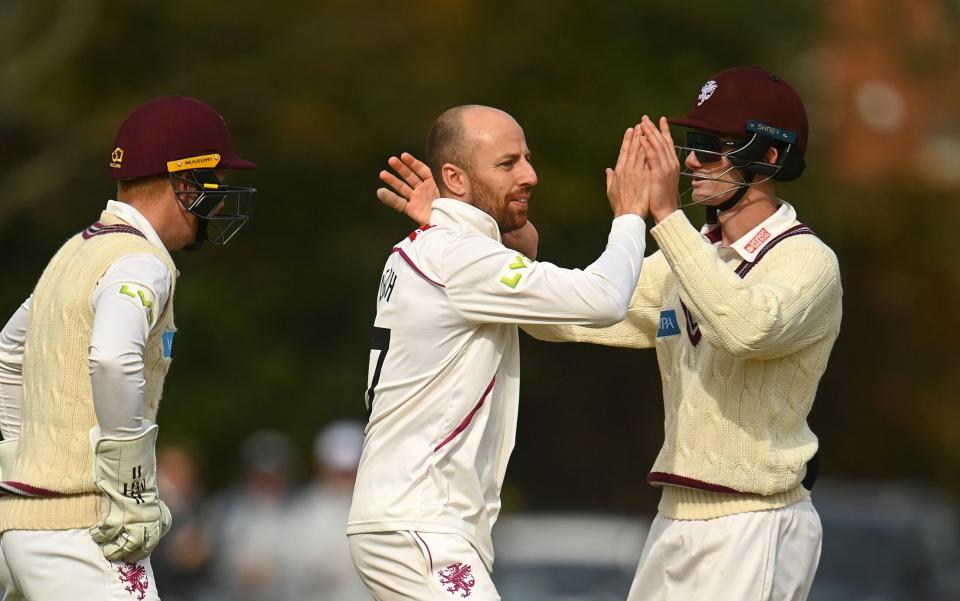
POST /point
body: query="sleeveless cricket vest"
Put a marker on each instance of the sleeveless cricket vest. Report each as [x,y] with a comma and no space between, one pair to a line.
[55,460]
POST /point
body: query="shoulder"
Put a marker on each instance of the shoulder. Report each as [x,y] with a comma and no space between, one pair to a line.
[805,240]
[146,268]
[801,253]
[422,250]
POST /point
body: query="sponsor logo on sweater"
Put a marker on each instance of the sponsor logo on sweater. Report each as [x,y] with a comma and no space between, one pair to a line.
[668,324]
[168,343]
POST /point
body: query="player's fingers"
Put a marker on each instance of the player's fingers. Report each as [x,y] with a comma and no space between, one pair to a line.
[665,132]
[99,535]
[610,176]
[649,150]
[118,548]
[391,200]
[636,148]
[112,551]
[654,146]
[416,165]
[671,148]
[395,163]
[399,186]
[405,172]
[666,140]
[624,148]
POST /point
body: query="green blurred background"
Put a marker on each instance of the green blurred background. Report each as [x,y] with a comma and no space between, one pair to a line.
[274,328]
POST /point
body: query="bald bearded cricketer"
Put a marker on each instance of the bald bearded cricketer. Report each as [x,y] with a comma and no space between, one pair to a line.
[444,371]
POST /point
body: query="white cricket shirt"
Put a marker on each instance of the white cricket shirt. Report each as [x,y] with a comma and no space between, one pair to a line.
[444,377]
[120,330]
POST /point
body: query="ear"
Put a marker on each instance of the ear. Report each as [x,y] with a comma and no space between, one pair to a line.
[771,155]
[455,180]
[184,192]
[178,184]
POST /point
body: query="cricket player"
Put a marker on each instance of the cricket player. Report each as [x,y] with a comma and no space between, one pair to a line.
[445,368]
[743,314]
[83,360]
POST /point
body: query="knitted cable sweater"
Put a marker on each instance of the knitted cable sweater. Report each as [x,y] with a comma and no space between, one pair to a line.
[743,335]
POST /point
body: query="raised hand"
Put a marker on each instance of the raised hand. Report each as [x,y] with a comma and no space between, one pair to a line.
[664,167]
[523,240]
[628,182]
[413,188]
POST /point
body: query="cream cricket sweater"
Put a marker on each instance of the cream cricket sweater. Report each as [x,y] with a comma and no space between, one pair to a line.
[742,334]
[54,461]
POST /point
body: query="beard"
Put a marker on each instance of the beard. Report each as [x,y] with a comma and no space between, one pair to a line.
[503,211]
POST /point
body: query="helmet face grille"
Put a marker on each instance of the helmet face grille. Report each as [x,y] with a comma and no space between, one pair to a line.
[223,209]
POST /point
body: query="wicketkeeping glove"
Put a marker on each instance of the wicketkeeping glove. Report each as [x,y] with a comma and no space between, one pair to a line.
[134,518]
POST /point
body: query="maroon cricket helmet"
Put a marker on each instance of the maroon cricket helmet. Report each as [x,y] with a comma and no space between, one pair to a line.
[170,134]
[739,101]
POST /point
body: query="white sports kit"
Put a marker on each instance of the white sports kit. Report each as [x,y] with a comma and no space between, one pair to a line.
[443,391]
[57,563]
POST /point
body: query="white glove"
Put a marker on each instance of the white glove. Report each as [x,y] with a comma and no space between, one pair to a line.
[8,455]
[134,518]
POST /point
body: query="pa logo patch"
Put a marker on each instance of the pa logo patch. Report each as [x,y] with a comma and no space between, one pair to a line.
[669,326]
[168,343]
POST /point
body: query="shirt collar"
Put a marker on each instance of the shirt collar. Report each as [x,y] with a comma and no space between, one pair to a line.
[460,215]
[751,243]
[133,217]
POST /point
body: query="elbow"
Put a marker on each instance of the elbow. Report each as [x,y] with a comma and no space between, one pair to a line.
[755,345]
[610,312]
[111,366]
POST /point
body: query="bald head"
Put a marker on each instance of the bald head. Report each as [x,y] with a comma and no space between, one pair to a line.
[452,137]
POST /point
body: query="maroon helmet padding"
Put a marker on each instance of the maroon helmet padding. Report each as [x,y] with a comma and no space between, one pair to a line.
[167,129]
[733,97]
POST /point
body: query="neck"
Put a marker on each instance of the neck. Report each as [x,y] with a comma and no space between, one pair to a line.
[756,206]
[153,210]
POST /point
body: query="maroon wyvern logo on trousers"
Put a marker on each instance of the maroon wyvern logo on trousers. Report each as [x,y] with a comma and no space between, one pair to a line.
[135,577]
[457,577]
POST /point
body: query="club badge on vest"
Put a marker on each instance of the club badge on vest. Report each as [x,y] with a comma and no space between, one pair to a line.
[669,326]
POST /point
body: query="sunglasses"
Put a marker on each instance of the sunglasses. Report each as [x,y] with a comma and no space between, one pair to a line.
[709,148]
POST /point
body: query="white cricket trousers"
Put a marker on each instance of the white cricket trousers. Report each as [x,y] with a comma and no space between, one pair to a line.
[8,590]
[55,565]
[420,566]
[756,556]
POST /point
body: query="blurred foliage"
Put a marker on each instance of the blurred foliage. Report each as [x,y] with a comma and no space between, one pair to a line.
[273,329]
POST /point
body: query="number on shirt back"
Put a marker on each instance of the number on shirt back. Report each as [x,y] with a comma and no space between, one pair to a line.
[378,352]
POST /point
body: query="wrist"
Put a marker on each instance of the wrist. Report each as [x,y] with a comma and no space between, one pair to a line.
[661,214]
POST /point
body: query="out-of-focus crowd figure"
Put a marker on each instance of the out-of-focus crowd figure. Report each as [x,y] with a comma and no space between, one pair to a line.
[262,539]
